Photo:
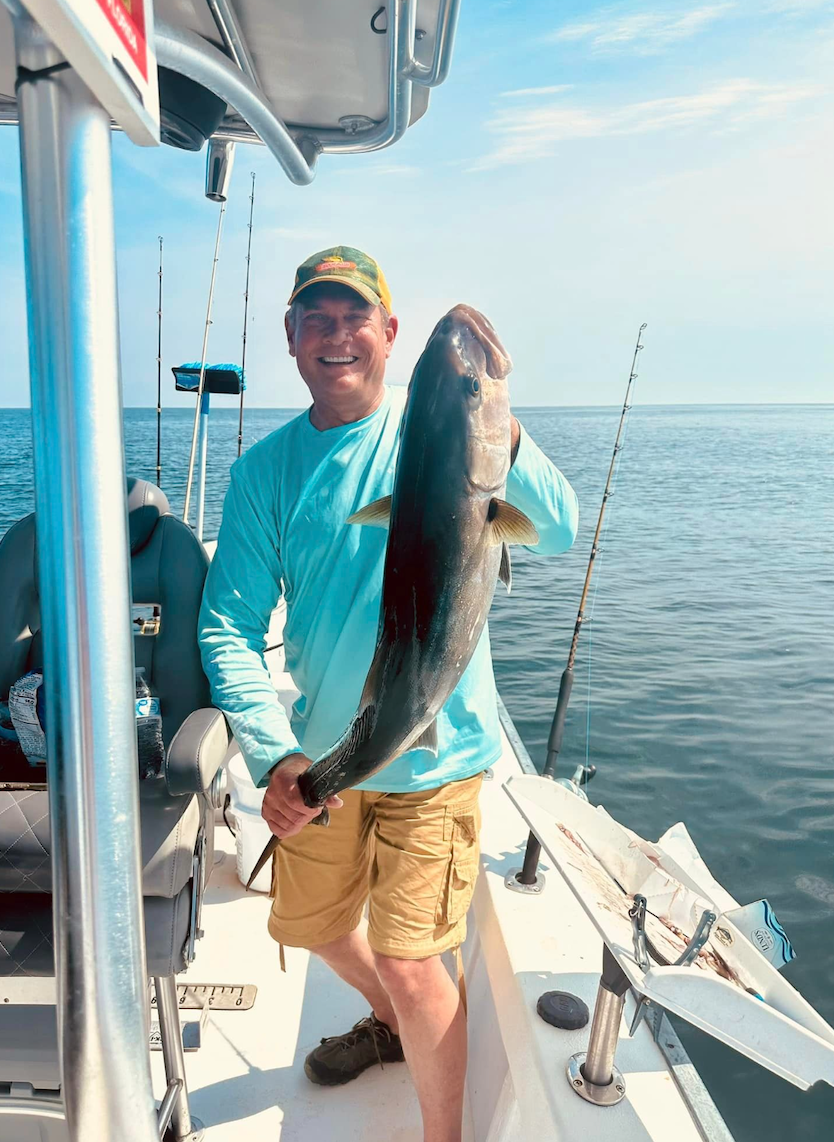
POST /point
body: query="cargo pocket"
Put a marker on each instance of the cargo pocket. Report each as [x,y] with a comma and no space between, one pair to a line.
[463,866]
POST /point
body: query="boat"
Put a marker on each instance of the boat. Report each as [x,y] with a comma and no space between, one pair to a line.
[141,995]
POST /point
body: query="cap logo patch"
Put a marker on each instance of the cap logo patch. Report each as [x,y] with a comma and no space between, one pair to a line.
[324,267]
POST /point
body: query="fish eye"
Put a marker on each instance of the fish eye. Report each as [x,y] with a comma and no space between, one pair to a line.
[473,384]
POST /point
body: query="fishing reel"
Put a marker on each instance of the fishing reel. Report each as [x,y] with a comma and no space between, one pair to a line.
[580,777]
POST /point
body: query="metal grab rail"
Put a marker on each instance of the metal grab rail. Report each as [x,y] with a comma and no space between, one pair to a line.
[231,33]
[402,15]
[188,54]
[434,74]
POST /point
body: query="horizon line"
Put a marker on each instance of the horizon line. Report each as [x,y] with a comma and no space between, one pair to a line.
[520,407]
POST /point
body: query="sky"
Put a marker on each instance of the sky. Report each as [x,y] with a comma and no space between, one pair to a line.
[584,169]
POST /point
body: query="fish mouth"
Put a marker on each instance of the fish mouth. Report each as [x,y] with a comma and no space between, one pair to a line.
[479,334]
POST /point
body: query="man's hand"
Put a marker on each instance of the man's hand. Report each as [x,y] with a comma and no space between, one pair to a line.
[283,806]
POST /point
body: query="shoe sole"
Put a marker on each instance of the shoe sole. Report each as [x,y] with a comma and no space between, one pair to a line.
[347,1077]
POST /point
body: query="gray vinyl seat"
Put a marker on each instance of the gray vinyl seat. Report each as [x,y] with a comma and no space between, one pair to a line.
[168,568]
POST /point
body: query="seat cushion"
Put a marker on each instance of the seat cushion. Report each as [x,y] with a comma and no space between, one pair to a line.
[169,836]
[24,842]
[26,947]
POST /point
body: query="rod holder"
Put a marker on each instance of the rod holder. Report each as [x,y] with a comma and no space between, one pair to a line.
[592,1073]
[219,162]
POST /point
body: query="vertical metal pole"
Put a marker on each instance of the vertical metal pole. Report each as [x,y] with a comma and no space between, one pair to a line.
[204,427]
[84,575]
[605,1033]
[169,1026]
[159,377]
[592,1074]
[189,485]
[246,315]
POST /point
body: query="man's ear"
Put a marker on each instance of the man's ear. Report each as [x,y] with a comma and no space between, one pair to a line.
[391,334]
[288,325]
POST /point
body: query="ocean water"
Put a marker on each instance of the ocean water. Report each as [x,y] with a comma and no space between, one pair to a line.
[710,653]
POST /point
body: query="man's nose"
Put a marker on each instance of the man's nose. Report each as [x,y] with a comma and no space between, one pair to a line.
[337,333]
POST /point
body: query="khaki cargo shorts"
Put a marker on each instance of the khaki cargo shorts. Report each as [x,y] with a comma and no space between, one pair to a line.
[413,857]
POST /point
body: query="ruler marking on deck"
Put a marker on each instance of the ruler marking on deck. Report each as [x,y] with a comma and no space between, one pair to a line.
[217,996]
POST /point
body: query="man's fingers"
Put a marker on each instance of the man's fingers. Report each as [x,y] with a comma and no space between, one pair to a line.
[272,808]
[294,800]
[278,822]
[334,802]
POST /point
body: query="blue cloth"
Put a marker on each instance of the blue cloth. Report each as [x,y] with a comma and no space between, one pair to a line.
[284,524]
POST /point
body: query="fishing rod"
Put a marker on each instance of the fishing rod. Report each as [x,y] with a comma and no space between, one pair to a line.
[245,315]
[159,376]
[527,876]
[202,383]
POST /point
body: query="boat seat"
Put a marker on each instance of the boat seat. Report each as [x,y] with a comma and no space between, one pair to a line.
[168,569]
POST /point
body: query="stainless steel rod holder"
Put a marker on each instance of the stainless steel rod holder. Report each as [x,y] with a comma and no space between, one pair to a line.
[592,1074]
[605,1031]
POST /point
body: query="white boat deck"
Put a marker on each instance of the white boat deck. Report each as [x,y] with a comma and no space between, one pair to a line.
[246,1080]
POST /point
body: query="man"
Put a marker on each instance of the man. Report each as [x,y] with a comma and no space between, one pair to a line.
[406,841]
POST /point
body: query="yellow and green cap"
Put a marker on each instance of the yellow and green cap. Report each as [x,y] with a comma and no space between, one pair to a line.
[346,265]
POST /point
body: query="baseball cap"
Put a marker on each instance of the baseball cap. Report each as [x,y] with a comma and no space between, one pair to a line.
[349,266]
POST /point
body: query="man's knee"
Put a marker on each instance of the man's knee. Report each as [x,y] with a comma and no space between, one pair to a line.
[406,979]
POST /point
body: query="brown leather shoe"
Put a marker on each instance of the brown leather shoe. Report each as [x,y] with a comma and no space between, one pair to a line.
[341,1058]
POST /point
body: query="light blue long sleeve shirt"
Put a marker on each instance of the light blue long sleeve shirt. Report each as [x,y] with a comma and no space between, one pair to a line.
[284,530]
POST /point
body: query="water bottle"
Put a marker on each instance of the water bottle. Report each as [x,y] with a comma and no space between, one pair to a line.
[148,729]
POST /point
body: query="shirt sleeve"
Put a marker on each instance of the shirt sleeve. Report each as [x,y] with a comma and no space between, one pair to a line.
[538,488]
[242,588]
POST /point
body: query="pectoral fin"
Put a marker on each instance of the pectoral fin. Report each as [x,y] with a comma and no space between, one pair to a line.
[427,739]
[377,514]
[509,525]
[505,571]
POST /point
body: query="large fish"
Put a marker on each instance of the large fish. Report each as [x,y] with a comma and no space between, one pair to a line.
[449,528]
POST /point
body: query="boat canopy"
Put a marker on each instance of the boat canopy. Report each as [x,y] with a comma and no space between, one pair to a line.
[305,77]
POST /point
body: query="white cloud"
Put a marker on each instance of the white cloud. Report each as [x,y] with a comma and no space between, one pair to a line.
[532,133]
[524,91]
[642,32]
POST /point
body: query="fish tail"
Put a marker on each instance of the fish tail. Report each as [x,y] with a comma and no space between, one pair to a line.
[269,849]
[273,843]
[331,773]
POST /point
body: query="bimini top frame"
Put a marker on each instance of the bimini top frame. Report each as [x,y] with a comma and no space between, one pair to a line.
[232,75]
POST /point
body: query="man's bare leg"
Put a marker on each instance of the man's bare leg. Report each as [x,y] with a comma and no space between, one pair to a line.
[352,960]
[433,1033]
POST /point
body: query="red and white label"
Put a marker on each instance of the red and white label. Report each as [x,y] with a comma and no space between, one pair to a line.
[127,18]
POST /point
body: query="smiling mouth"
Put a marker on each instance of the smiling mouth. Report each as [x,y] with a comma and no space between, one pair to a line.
[338,360]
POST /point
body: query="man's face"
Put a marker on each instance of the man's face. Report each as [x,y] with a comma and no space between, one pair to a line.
[340,341]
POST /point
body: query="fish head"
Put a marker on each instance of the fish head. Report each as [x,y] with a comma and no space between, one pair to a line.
[459,389]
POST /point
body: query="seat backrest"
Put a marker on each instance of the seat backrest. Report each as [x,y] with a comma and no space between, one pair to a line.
[168,569]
